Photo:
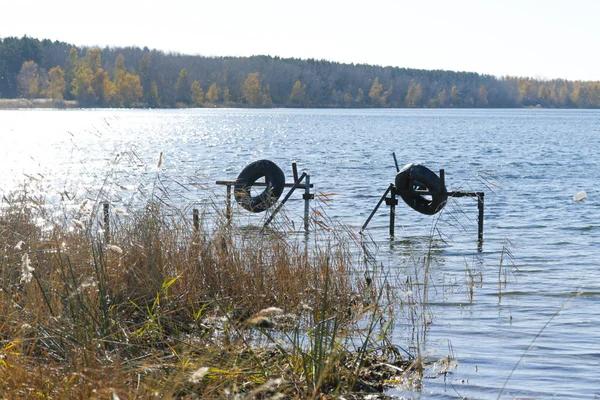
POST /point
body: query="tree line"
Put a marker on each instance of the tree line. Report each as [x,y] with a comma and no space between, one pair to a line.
[140,77]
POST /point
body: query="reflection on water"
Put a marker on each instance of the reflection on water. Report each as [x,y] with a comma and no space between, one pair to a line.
[528,299]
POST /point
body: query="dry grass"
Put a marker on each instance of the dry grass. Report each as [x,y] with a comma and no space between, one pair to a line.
[36,103]
[164,310]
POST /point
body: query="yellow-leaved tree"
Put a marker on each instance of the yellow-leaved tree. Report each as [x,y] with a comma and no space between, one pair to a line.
[182,87]
[441,98]
[28,80]
[413,94]
[119,71]
[347,99]
[213,94]
[81,85]
[251,89]
[360,96]
[376,93]
[482,96]
[197,93]
[226,95]
[104,88]
[56,84]
[455,96]
[298,93]
[130,89]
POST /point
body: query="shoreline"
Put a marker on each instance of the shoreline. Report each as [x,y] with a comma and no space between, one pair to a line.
[8,104]
[12,104]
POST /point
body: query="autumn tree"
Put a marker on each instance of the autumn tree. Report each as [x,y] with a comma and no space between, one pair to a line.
[527,91]
[104,89]
[55,85]
[149,87]
[71,68]
[93,59]
[563,95]
[376,93]
[545,94]
[197,93]
[213,93]
[482,96]
[226,95]
[298,93]
[81,85]
[182,87]
[266,96]
[119,68]
[590,95]
[441,98]
[119,71]
[414,94]
[360,96]
[251,89]
[455,97]
[347,99]
[130,89]
[28,80]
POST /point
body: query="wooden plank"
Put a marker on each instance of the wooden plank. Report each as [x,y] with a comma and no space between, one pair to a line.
[288,185]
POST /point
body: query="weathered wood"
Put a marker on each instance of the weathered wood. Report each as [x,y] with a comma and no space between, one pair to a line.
[287,196]
[376,208]
[480,219]
[196,216]
[228,209]
[392,204]
[106,222]
[396,162]
[295,171]
[307,198]
[232,183]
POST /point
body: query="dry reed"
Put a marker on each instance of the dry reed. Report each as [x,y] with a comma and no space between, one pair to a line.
[166,310]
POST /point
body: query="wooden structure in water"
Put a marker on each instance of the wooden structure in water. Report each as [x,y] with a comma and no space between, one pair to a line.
[392,202]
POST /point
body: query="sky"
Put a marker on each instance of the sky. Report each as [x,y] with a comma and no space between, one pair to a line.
[531,38]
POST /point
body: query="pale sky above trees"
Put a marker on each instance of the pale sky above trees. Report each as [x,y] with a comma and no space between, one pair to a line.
[533,38]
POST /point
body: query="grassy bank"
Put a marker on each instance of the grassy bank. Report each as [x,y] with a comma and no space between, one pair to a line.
[36,103]
[155,308]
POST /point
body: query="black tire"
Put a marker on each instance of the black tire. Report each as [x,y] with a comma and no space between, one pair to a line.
[275,184]
[417,177]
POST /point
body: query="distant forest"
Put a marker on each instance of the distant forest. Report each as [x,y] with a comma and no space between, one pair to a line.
[136,77]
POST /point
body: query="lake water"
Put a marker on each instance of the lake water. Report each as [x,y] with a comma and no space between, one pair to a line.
[544,328]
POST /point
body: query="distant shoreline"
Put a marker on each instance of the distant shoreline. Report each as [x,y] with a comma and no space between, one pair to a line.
[37,103]
[12,104]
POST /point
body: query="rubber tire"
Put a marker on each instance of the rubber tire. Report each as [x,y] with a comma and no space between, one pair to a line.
[275,184]
[417,177]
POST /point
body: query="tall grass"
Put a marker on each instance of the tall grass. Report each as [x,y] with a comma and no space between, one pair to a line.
[163,309]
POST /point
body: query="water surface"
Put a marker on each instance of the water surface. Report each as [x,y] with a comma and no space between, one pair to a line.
[544,321]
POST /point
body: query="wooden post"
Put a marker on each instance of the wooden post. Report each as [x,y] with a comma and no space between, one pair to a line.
[295,171]
[228,211]
[196,219]
[393,210]
[443,178]
[396,162]
[285,199]
[376,208]
[106,222]
[480,219]
[306,204]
